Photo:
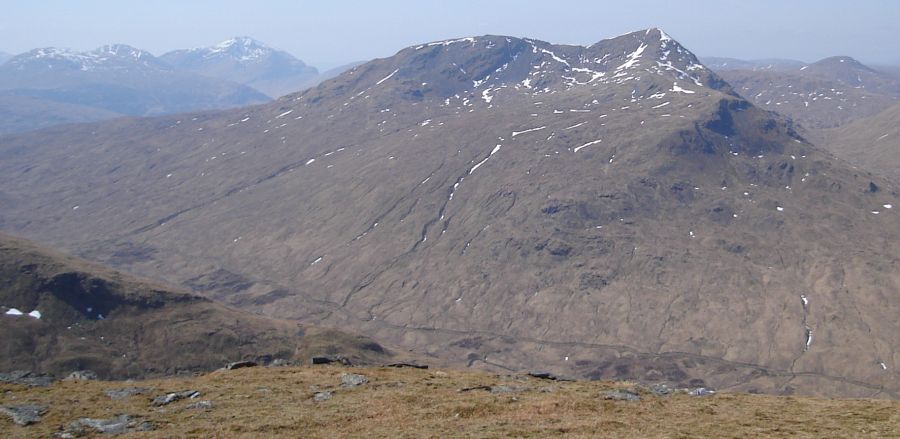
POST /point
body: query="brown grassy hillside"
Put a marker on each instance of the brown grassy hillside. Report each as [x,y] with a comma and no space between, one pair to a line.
[120,326]
[406,403]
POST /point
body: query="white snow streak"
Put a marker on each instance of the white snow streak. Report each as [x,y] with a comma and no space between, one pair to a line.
[516,133]
[586,144]
[387,77]
[494,151]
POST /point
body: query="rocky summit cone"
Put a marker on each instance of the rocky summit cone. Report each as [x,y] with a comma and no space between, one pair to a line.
[611,211]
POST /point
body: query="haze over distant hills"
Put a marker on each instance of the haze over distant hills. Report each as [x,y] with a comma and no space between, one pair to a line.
[110,81]
[724,63]
[246,61]
[50,86]
[824,94]
[842,104]
[871,142]
[4,56]
[609,211]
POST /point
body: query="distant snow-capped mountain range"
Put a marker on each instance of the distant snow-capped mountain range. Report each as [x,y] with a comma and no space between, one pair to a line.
[121,80]
[246,61]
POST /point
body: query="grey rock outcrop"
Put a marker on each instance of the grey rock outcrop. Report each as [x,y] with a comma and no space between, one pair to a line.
[26,378]
[81,375]
[701,391]
[240,365]
[353,380]
[622,395]
[169,398]
[123,393]
[116,425]
[322,396]
[24,414]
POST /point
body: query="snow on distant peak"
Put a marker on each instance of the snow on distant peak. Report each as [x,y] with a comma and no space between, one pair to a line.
[108,56]
[447,42]
[57,53]
[663,36]
[121,50]
[243,49]
[239,41]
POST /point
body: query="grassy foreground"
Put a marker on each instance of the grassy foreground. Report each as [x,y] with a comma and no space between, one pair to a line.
[279,402]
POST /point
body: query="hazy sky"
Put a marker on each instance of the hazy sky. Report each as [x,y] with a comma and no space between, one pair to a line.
[327,33]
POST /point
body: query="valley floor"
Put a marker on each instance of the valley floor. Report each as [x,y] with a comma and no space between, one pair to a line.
[324,402]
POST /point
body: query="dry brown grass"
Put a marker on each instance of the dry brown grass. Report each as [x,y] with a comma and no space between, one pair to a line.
[400,403]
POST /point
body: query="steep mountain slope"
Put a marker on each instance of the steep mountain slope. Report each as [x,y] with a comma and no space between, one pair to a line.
[246,61]
[824,94]
[612,211]
[872,143]
[774,64]
[115,79]
[60,314]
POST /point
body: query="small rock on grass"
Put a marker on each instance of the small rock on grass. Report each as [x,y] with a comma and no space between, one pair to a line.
[353,380]
[327,359]
[81,375]
[175,396]
[661,390]
[543,375]
[26,378]
[199,405]
[281,362]
[702,391]
[322,396]
[123,393]
[24,414]
[622,395]
[410,365]
[240,365]
[116,425]
[503,388]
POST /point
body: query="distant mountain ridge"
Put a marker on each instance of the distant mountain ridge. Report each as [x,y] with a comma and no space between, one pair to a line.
[108,57]
[824,94]
[246,61]
[113,80]
[871,142]
[49,86]
[725,63]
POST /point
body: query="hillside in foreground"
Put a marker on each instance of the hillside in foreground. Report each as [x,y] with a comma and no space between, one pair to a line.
[59,315]
[313,402]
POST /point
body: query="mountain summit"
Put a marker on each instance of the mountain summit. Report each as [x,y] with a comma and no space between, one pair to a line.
[247,61]
[611,211]
[241,49]
[496,64]
[105,58]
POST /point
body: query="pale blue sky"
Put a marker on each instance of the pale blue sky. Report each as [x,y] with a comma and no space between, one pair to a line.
[328,33]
